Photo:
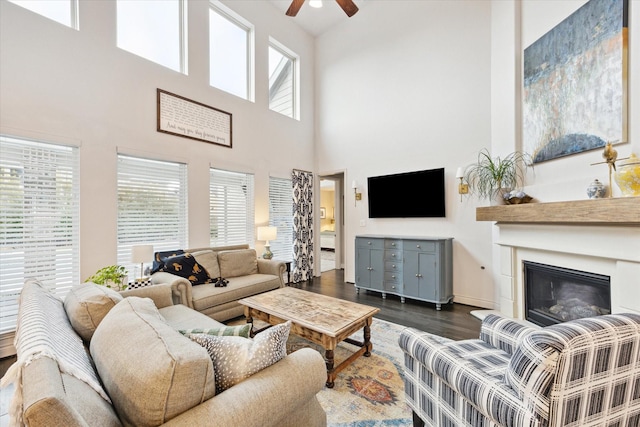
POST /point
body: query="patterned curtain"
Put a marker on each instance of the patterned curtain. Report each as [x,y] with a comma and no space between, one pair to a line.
[302,225]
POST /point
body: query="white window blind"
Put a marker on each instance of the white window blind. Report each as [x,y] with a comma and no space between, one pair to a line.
[152,207]
[231,208]
[281,216]
[39,220]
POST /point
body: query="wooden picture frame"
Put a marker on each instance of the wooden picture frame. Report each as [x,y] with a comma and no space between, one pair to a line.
[184,117]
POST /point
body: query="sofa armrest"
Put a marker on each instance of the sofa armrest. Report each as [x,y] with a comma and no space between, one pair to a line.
[161,294]
[267,398]
[270,266]
[180,287]
[503,332]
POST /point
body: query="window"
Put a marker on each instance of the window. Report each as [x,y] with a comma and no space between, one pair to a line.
[231,208]
[283,80]
[155,30]
[62,11]
[152,207]
[230,52]
[39,220]
[281,216]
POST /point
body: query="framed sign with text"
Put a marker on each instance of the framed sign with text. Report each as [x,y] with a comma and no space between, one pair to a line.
[180,116]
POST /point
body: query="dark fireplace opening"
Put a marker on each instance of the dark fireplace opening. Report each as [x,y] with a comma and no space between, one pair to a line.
[556,294]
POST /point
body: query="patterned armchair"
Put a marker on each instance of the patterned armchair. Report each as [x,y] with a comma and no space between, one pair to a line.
[580,373]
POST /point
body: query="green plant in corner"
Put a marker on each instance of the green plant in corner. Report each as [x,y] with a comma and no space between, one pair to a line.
[110,276]
[489,176]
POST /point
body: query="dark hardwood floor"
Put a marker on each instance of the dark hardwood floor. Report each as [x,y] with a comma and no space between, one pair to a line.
[453,321]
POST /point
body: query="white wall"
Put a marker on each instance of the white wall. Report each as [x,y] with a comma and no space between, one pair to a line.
[405,86]
[60,84]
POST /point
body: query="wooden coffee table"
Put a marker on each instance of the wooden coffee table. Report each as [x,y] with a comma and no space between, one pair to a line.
[318,318]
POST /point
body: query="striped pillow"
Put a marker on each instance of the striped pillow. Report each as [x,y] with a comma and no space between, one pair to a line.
[235,331]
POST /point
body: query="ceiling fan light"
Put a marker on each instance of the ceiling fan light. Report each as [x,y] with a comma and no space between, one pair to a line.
[315,3]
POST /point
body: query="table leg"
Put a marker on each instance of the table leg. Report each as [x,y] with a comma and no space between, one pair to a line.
[367,339]
[328,355]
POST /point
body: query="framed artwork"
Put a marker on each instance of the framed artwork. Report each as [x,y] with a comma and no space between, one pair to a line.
[575,83]
[180,116]
[323,213]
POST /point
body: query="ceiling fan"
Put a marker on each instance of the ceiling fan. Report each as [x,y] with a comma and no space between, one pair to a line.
[348,6]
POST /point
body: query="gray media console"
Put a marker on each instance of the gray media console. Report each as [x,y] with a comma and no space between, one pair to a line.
[419,268]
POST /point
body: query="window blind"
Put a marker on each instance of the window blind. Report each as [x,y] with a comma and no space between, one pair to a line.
[231,208]
[152,207]
[39,220]
[281,216]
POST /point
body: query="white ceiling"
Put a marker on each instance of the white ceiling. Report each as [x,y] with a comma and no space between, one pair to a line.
[317,21]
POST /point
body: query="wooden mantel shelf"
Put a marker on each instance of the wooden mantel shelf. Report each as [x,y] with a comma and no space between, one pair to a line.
[615,211]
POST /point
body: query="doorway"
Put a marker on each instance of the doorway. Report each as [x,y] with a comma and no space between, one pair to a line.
[331,216]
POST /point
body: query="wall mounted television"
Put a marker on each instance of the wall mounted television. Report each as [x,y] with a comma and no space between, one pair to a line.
[417,194]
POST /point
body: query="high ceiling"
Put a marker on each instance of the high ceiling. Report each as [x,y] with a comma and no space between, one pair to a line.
[317,21]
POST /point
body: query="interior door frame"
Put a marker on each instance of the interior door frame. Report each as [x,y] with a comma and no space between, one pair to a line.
[338,177]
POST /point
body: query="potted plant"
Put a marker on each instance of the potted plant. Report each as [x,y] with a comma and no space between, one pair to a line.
[112,276]
[493,177]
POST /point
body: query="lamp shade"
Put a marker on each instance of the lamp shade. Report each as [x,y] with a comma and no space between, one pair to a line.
[141,253]
[354,184]
[460,173]
[267,233]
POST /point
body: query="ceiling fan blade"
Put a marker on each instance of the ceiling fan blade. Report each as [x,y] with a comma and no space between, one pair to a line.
[348,6]
[295,7]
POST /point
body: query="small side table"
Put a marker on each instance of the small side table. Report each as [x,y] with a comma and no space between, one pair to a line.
[140,283]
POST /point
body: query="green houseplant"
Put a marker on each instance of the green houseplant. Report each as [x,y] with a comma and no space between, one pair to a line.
[112,276]
[492,177]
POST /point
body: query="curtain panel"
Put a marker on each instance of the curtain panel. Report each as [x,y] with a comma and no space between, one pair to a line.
[302,265]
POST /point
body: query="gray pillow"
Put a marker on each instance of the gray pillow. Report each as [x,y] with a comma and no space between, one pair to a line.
[209,260]
[87,304]
[236,358]
[236,263]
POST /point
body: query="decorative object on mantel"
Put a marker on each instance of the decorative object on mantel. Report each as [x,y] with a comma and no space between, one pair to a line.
[627,176]
[494,177]
[596,190]
[575,83]
[516,197]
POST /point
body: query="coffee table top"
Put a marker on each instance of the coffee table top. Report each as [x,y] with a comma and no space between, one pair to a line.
[317,312]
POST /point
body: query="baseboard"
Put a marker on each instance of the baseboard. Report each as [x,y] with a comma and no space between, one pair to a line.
[6,344]
[475,302]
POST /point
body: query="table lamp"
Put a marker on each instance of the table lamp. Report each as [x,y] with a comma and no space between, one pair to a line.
[266,234]
[141,254]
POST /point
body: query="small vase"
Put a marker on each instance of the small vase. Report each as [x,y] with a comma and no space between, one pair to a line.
[627,176]
[596,190]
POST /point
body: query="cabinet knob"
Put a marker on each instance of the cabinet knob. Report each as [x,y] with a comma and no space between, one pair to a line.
[393,244]
[418,246]
[393,287]
[393,277]
[369,268]
[393,255]
[417,275]
[393,266]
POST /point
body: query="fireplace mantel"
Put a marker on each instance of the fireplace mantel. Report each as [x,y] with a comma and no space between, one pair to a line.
[614,211]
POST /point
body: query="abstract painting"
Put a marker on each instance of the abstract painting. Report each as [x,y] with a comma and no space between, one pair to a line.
[575,83]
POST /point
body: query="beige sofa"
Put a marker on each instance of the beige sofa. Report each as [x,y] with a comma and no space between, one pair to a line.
[152,373]
[247,276]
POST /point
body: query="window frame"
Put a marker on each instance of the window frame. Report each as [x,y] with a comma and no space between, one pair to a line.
[224,12]
[74,21]
[249,220]
[295,80]
[276,210]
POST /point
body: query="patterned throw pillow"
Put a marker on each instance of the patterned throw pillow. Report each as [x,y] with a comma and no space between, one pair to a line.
[226,331]
[185,265]
[236,358]
[160,257]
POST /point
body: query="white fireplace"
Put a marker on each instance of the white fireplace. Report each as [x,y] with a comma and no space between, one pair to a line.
[613,251]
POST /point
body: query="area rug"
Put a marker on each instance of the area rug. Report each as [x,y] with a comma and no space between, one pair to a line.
[370,391]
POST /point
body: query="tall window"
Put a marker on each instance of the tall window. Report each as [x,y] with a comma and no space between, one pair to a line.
[283,80]
[281,216]
[62,11]
[155,30]
[231,208]
[230,51]
[152,206]
[39,220]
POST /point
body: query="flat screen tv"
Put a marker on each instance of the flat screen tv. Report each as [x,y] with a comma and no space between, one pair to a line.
[407,195]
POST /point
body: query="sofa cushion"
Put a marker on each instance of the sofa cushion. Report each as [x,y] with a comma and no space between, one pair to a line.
[86,305]
[238,263]
[222,331]
[209,260]
[186,266]
[151,372]
[237,358]
[206,296]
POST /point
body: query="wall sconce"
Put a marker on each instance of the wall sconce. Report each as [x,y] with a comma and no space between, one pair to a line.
[462,187]
[358,196]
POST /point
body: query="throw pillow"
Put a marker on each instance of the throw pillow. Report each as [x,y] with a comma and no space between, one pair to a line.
[209,260]
[186,266]
[86,305]
[236,263]
[237,331]
[236,358]
[160,257]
